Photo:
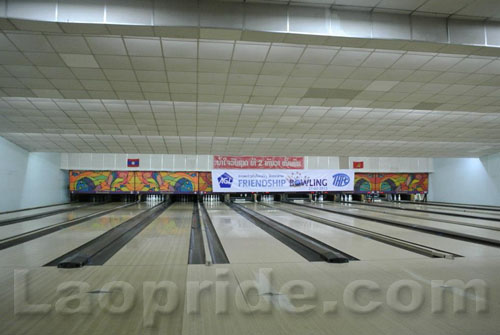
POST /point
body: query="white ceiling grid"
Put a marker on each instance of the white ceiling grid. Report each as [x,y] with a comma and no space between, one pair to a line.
[91,93]
[97,67]
[71,125]
[485,9]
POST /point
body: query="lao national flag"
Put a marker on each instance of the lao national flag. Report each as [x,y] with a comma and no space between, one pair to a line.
[133,162]
[357,165]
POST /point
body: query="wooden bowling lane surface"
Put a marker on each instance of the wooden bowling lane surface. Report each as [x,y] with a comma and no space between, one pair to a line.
[458,247]
[422,215]
[355,245]
[456,208]
[465,211]
[30,225]
[256,299]
[473,231]
[42,250]
[163,241]
[244,242]
[332,312]
[35,211]
[101,288]
[458,205]
[212,317]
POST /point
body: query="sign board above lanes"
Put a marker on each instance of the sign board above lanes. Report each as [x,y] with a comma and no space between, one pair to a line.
[244,181]
[258,162]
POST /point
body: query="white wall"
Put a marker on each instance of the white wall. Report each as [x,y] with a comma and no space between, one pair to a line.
[30,179]
[158,162]
[466,180]
[393,164]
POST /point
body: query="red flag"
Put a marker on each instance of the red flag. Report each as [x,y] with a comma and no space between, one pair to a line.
[357,165]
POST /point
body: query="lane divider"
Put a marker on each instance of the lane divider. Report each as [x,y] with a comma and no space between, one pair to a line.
[103,247]
[426,229]
[388,211]
[45,214]
[36,233]
[396,242]
[453,205]
[32,208]
[425,211]
[215,251]
[306,246]
[197,253]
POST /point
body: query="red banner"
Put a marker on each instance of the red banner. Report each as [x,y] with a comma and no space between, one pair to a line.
[258,162]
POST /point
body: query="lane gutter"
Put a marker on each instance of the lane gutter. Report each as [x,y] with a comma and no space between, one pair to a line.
[36,233]
[216,253]
[395,242]
[452,205]
[45,214]
[306,246]
[196,238]
[425,211]
[384,211]
[431,230]
[103,247]
[38,207]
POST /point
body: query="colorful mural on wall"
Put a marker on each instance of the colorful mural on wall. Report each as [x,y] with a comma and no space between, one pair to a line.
[166,182]
[190,182]
[101,181]
[121,181]
[205,181]
[402,182]
[364,182]
[147,181]
[179,182]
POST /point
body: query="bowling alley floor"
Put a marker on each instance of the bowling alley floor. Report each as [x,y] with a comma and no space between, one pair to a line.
[91,300]
[147,287]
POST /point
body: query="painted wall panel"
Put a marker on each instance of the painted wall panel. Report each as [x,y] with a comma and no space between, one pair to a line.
[364,182]
[166,182]
[391,182]
[205,181]
[402,182]
[101,181]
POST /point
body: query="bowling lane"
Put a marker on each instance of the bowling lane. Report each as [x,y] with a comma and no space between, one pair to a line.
[46,248]
[163,241]
[422,215]
[244,242]
[455,204]
[36,211]
[450,210]
[473,231]
[27,226]
[433,241]
[355,245]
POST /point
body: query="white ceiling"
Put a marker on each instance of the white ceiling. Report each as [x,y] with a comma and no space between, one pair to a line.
[211,128]
[485,9]
[89,93]
[100,67]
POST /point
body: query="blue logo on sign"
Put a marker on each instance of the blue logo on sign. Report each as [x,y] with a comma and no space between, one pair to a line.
[341,179]
[225,180]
